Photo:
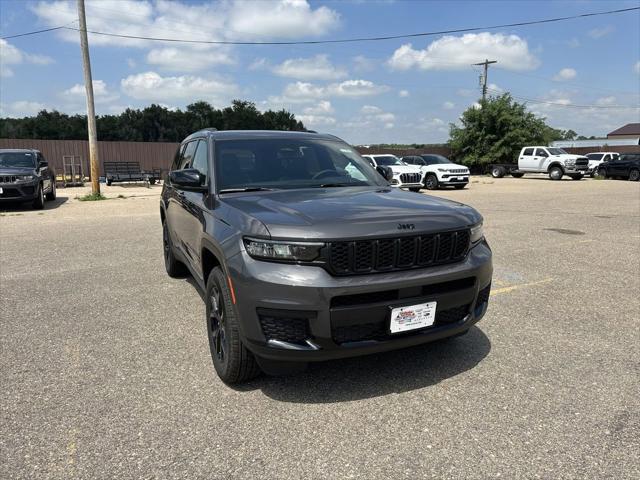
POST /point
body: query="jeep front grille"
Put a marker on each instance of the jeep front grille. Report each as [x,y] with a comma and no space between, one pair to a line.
[8,178]
[458,170]
[410,177]
[402,253]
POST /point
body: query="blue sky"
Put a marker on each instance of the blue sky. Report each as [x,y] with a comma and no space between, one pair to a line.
[389,91]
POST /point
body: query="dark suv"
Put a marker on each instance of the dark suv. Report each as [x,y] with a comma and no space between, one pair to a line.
[306,254]
[25,176]
[627,166]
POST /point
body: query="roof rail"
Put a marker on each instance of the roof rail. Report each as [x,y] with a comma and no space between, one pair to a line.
[209,129]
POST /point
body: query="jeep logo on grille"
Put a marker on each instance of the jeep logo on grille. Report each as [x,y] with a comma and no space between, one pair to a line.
[406,226]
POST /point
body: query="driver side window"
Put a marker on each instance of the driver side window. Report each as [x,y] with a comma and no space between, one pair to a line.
[200,160]
[188,154]
[541,153]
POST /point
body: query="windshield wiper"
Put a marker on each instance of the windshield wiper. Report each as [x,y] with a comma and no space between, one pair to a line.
[247,189]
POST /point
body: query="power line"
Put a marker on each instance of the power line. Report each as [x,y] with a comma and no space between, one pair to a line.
[344,40]
[569,105]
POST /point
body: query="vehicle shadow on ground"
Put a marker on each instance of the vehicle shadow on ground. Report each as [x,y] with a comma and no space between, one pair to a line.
[26,207]
[377,375]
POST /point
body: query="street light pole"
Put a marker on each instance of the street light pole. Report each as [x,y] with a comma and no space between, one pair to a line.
[484,77]
[94,160]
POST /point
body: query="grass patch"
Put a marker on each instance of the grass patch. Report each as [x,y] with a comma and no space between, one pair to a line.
[92,197]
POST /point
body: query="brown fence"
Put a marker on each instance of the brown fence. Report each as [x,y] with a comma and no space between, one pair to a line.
[150,154]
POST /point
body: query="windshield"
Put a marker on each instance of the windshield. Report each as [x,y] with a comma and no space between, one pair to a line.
[595,156]
[17,159]
[435,159]
[290,163]
[387,160]
[556,151]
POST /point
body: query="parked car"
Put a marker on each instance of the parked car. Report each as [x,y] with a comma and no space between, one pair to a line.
[25,176]
[596,158]
[438,171]
[626,166]
[404,176]
[306,254]
[554,161]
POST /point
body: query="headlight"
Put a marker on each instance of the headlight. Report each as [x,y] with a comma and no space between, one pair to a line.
[569,162]
[25,178]
[477,233]
[442,169]
[277,250]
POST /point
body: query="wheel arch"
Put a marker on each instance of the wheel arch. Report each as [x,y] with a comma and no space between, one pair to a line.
[210,257]
[555,164]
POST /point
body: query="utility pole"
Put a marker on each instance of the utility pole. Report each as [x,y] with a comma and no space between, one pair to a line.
[484,77]
[94,161]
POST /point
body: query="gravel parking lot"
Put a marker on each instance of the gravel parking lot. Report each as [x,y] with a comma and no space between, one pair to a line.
[106,372]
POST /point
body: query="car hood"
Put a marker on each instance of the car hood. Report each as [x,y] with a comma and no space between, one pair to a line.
[448,166]
[568,156]
[339,213]
[404,169]
[16,171]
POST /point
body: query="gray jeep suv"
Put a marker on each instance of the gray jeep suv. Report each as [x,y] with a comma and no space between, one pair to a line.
[306,254]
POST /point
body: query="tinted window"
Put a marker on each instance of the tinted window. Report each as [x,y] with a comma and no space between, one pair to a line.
[435,159]
[200,159]
[556,151]
[528,152]
[541,153]
[596,156]
[187,156]
[176,159]
[387,160]
[17,159]
[290,163]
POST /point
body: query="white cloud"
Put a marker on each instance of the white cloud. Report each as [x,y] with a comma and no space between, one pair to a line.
[314,68]
[565,74]
[258,64]
[371,118]
[610,100]
[305,92]
[76,95]
[636,67]
[403,93]
[189,60]
[600,32]
[511,52]
[448,105]
[370,110]
[363,64]
[131,63]
[316,120]
[573,43]
[323,107]
[21,108]
[495,89]
[12,55]
[151,86]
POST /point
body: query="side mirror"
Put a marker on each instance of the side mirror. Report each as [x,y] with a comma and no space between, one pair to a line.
[189,179]
[385,171]
[43,163]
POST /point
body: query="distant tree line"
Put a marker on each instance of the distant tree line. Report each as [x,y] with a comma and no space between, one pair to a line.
[151,124]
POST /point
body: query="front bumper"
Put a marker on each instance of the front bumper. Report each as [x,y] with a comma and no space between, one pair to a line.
[338,317]
[576,169]
[453,179]
[18,191]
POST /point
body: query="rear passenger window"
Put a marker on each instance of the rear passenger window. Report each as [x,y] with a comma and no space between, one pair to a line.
[200,159]
[528,152]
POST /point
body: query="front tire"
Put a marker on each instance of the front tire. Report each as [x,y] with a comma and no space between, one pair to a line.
[555,173]
[233,362]
[174,267]
[52,194]
[602,173]
[634,175]
[38,203]
[431,182]
[577,176]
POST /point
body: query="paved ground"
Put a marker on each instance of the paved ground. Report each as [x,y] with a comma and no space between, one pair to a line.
[105,369]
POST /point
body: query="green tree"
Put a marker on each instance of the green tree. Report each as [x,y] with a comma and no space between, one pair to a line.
[496,130]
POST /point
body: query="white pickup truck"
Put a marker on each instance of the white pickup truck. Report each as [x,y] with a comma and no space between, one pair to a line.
[551,160]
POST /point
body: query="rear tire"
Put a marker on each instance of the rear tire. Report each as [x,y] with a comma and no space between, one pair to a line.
[498,172]
[174,267]
[52,194]
[109,181]
[233,362]
[431,182]
[602,173]
[634,175]
[38,203]
[517,175]
[555,173]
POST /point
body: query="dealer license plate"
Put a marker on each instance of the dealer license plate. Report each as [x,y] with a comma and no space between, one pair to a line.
[412,317]
[1,191]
